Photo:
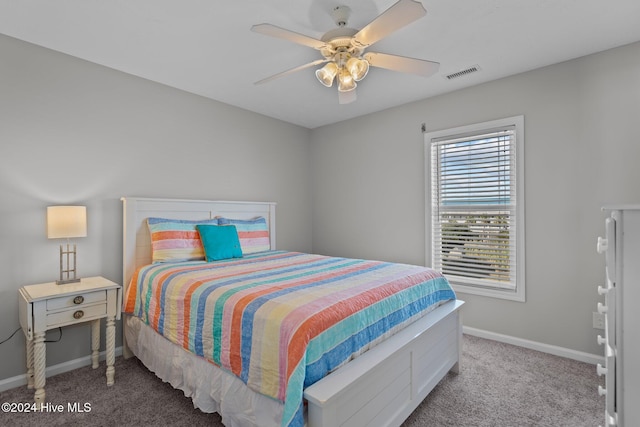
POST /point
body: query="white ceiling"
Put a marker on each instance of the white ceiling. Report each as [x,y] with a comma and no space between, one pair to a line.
[206,47]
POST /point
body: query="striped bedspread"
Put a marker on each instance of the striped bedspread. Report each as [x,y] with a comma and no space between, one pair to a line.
[281,321]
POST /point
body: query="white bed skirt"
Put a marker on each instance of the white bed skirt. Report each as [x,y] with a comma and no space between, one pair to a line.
[211,388]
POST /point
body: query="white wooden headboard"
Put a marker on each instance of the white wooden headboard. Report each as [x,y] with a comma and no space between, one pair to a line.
[136,240]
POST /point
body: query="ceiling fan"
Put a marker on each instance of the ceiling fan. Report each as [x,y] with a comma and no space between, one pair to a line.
[343,48]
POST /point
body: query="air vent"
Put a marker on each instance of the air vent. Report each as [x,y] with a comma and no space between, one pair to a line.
[462,73]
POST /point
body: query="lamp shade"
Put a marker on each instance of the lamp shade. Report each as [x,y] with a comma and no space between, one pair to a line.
[65,222]
[358,68]
[346,81]
[326,74]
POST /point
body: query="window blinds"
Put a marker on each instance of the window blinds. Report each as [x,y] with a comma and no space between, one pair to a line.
[474,207]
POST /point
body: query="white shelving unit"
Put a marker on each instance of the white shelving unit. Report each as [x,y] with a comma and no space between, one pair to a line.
[621,292]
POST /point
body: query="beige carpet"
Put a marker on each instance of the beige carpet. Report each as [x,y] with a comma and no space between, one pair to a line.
[499,385]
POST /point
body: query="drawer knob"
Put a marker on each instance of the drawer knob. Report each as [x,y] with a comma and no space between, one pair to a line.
[601,340]
[602,391]
[78,300]
[602,309]
[602,246]
[601,370]
[78,314]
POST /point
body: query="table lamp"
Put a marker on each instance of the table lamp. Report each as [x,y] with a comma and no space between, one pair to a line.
[66,222]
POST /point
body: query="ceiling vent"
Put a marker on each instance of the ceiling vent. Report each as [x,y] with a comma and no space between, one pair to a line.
[462,73]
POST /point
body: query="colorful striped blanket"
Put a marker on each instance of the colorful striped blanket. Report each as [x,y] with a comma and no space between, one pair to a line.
[281,321]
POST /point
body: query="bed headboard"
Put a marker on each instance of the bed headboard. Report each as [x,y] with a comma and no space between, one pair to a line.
[136,240]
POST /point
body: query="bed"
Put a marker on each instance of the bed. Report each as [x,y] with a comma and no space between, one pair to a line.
[377,381]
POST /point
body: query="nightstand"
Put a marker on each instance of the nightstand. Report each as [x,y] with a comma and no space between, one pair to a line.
[49,306]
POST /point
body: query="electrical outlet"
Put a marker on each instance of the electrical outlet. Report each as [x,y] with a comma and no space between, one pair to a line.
[598,320]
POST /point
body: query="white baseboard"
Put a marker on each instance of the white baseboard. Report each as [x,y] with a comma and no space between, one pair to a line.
[21,380]
[534,345]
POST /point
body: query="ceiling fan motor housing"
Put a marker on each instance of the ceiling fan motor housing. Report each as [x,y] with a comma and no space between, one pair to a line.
[339,40]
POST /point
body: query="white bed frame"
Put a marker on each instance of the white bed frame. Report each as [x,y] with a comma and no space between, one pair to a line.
[379,388]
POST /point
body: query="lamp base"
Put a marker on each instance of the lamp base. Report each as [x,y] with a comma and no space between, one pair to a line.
[64,282]
[67,269]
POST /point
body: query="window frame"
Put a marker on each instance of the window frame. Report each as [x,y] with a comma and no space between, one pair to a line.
[518,293]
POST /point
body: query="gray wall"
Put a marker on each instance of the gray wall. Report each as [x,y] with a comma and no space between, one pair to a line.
[75,132]
[581,151]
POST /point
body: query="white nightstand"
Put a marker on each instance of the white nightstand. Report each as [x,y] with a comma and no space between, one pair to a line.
[48,306]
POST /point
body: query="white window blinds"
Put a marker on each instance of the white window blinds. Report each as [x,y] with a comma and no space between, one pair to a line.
[473,207]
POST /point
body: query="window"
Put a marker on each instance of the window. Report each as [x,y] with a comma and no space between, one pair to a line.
[476,218]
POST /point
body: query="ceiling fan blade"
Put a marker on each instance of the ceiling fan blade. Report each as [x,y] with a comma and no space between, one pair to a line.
[347,97]
[402,63]
[281,33]
[397,16]
[291,71]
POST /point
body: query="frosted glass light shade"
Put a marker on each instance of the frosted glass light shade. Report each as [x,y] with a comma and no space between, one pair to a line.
[358,68]
[64,222]
[346,81]
[327,73]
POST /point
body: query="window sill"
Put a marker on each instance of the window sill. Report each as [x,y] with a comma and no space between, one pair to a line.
[507,294]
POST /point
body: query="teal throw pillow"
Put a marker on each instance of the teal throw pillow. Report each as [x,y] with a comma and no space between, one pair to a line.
[220,242]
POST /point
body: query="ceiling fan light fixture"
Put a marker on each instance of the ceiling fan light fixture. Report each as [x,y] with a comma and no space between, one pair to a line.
[346,82]
[358,68]
[327,73]
[343,48]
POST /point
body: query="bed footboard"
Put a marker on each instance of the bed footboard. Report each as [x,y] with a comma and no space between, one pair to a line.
[390,380]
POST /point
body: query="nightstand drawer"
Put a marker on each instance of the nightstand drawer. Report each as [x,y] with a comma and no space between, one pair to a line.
[76,315]
[78,300]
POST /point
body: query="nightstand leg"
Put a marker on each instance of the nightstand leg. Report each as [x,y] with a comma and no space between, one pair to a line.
[111,349]
[39,364]
[95,343]
[29,363]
